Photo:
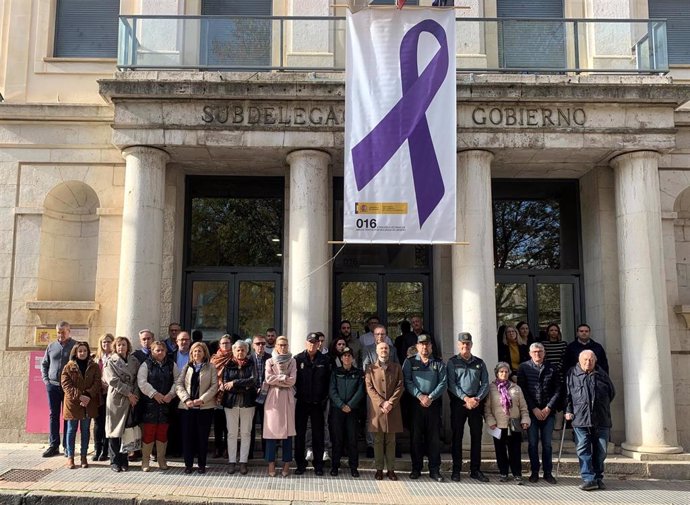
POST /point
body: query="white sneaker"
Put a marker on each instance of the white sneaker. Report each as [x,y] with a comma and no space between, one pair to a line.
[326,457]
[310,455]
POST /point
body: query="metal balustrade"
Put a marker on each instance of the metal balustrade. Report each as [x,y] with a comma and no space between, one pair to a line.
[487,45]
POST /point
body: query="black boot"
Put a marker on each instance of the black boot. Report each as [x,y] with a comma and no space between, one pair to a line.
[97,453]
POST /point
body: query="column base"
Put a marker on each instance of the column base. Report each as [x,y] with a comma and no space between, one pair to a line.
[654,452]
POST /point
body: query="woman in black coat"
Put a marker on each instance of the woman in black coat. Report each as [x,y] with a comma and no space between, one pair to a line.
[513,351]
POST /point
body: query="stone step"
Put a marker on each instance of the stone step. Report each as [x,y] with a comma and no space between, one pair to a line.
[617,465]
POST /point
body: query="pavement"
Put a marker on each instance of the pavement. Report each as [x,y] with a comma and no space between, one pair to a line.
[27,479]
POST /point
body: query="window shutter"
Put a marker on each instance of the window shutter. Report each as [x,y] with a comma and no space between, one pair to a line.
[236,7]
[677,14]
[86,28]
[529,8]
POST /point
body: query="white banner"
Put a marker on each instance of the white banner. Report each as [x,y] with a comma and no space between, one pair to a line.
[400,126]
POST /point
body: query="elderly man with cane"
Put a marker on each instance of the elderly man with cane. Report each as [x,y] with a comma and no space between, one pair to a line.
[589,395]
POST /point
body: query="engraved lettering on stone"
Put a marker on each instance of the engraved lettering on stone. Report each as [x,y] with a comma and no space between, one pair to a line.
[271,115]
[529,117]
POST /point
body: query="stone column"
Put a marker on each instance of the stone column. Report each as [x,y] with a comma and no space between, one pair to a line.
[308,278]
[650,421]
[141,250]
[474,296]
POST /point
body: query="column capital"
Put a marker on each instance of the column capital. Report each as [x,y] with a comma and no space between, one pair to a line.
[475,151]
[618,160]
[307,153]
[144,150]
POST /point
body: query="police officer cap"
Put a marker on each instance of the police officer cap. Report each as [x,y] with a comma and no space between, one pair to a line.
[347,350]
[464,337]
[312,337]
[423,339]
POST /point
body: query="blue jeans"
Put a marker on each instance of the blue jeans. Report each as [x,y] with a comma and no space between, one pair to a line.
[591,445]
[540,430]
[84,427]
[55,399]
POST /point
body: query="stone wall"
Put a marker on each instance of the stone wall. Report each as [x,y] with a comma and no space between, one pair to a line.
[60,216]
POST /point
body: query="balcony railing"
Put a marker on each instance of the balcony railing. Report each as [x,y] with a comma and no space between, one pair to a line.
[487,45]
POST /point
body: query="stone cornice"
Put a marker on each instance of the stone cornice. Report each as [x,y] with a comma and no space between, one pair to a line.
[331,86]
[55,112]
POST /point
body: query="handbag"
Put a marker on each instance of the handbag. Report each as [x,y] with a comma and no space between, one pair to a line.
[263,392]
[131,437]
[514,426]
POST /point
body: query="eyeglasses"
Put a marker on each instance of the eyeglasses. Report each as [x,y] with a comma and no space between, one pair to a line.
[259,343]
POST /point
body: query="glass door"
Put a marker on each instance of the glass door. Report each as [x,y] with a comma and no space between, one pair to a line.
[392,297]
[539,299]
[241,303]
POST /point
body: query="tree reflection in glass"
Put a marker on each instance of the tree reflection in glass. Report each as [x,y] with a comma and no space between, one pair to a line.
[236,232]
[527,234]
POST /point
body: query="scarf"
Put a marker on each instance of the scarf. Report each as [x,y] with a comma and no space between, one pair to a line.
[506,401]
[82,364]
[194,390]
[220,360]
[241,363]
[282,360]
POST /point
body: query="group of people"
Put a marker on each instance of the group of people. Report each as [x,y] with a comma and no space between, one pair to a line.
[175,389]
[550,376]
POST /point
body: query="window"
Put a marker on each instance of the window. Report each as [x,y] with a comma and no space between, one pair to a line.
[531,43]
[235,223]
[535,225]
[536,253]
[86,28]
[677,14]
[238,41]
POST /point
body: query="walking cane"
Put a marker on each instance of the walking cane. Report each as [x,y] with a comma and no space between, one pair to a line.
[560,449]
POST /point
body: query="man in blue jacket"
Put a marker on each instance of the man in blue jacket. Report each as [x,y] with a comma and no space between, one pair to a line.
[590,392]
[425,379]
[541,384]
[468,386]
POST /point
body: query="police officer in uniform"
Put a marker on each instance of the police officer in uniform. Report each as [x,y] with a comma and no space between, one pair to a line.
[468,386]
[313,382]
[425,379]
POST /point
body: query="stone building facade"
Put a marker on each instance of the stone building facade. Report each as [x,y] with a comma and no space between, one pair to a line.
[108,175]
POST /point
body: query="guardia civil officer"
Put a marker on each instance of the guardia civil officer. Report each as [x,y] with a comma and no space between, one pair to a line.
[468,386]
[425,379]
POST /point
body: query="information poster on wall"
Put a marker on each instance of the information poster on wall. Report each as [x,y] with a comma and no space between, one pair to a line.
[37,411]
[400,127]
[44,335]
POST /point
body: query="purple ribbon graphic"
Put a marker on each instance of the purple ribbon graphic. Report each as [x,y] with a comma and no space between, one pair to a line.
[407,121]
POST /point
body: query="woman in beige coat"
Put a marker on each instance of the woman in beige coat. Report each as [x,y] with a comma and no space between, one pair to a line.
[196,388]
[120,373]
[279,407]
[506,402]
[384,383]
